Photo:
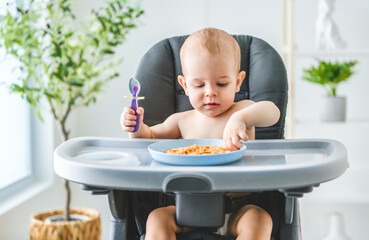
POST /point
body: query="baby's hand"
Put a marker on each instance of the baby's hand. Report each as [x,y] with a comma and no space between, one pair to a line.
[234,132]
[128,118]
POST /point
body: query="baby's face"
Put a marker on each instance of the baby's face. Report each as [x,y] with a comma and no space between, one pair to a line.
[211,81]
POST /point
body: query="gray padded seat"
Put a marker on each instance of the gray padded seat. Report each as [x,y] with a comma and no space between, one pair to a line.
[266,79]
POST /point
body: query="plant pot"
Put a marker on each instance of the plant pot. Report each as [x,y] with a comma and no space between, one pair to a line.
[333,109]
[44,226]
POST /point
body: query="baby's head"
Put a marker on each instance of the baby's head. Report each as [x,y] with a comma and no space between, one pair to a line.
[210,60]
[213,41]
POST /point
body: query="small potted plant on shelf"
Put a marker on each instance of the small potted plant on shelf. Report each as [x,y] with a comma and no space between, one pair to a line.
[64,64]
[329,75]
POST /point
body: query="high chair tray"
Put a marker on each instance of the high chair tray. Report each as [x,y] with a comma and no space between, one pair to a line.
[126,164]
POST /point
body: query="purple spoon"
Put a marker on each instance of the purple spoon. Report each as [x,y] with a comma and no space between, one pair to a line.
[134,88]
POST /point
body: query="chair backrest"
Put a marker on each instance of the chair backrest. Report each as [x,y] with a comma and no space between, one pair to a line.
[266,79]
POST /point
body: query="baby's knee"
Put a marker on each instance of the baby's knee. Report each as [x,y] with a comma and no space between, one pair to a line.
[252,218]
[162,216]
[260,215]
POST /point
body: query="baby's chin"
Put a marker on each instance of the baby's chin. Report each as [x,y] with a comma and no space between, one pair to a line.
[211,112]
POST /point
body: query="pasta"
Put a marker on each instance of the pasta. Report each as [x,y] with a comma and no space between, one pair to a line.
[198,150]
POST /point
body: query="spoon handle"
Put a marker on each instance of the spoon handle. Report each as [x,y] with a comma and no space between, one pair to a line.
[134,106]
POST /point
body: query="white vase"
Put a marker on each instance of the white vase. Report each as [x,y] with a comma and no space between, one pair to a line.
[337,228]
[333,109]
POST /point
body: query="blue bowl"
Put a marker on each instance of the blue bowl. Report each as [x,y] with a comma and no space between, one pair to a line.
[157,152]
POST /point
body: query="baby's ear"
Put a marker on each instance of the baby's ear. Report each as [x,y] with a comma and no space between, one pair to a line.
[182,82]
[240,77]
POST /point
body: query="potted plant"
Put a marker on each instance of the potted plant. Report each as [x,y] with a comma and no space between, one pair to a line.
[330,74]
[65,64]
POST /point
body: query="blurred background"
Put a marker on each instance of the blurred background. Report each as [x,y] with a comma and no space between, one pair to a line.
[290,27]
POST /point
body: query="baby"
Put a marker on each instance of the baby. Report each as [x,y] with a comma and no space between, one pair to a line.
[210,60]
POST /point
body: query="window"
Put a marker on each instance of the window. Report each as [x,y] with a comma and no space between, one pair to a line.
[25,144]
[15,139]
[26,147]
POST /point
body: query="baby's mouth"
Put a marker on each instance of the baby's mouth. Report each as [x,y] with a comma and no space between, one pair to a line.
[212,105]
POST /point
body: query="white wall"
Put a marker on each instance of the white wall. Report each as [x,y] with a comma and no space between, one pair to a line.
[348,194]
[351,17]
[166,18]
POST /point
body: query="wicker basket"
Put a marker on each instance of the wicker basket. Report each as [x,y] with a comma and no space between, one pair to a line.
[66,230]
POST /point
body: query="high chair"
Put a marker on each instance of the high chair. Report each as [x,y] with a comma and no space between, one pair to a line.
[266,79]
[279,171]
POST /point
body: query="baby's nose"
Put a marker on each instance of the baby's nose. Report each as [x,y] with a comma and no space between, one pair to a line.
[210,91]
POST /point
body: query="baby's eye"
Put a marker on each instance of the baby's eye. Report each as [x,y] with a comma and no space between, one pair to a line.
[199,85]
[222,84]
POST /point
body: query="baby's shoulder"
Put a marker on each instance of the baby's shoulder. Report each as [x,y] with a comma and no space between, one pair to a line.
[243,104]
[183,115]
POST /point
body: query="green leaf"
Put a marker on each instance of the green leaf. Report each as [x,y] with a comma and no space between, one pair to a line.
[68,34]
[108,51]
[329,74]
[57,50]
[38,114]
[96,41]
[70,63]
[49,94]
[16,88]
[113,44]
[57,75]
[102,21]
[29,99]
[91,99]
[75,82]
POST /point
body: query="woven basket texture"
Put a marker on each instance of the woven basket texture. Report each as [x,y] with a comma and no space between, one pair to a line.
[66,230]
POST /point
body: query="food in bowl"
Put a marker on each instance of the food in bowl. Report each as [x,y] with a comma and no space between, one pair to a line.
[198,150]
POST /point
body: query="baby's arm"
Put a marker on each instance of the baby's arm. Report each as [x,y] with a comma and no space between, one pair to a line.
[167,129]
[260,114]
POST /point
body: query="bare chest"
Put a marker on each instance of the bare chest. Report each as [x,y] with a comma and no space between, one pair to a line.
[204,128]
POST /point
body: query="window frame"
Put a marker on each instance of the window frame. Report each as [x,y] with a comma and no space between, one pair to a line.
[41,175]
[12,183]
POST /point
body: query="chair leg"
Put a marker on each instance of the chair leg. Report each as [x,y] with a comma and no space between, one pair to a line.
[118,203]
[291,231]
[118,229]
